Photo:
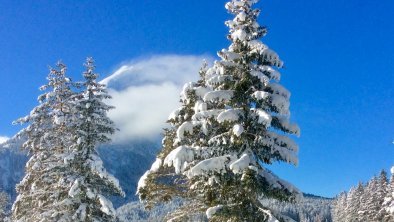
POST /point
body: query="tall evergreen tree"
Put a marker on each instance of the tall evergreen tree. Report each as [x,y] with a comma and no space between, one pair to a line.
[354,203]
[372,203]
[238,129]
[381,193]
[388,203]
[48,139]
[91,127]
[339,206]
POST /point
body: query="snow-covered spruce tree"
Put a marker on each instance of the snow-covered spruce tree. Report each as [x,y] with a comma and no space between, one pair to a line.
[354,203]
[372,204]
[162,182]
[381,193]
[388,203]
[43,188]
[91,127]
[242,118]
[338,208]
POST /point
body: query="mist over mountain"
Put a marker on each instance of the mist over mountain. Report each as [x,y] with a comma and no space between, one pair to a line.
[144,92]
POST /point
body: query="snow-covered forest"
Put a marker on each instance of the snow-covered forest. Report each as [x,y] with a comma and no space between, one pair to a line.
[372,201]
[213,162]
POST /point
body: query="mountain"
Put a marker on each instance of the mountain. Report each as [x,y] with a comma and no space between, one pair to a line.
[128,162]
[12,167]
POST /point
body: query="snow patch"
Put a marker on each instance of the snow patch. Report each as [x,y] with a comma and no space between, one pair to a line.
[239,165]
[259,95]
[200,106]
[201,91]
[156,165]
[281,103]
[106,206]
[238,129]
[241,16]
[215,164]
[271,218]
[263,117]
[230,115]
[179,158]
[280,90]
[228,55]
[212,210]
[186,127]
[263,78]
[219,95]
[206,114]
[240,34]
[142,181]
[259,48]
[186,88]
[174,114]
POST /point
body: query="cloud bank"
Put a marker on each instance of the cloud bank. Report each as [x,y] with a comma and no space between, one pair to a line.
[146,91]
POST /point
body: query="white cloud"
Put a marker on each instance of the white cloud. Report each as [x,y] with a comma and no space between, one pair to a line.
[3,139]
[146,91]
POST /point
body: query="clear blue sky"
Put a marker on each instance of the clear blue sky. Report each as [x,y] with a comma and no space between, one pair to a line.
[339,58]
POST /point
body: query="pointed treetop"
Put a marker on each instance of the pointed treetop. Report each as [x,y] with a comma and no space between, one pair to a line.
[90,67]
[244,26]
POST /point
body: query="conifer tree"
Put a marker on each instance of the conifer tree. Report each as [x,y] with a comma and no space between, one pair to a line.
[388,203]
[381,193]
[91,127]
[43,188]
[371,205]
[354,203]
[238,128]
[339,206]
[373,202]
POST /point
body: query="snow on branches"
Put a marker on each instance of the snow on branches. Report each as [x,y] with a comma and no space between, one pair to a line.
[65,178]
[232,121]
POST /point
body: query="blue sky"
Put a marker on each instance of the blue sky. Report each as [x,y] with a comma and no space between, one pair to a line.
[338,65]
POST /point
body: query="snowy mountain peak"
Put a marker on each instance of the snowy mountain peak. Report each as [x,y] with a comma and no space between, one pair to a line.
[155,70]
[117,75]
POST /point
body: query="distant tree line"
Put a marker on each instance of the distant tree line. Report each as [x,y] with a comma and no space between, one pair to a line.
[373,201]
